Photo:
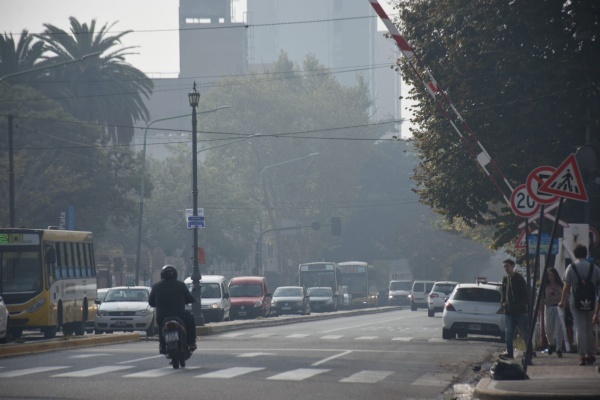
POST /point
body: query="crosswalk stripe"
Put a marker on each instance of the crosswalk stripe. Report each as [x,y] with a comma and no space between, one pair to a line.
[366,337]
[151,373]
[298,335]
[331,337]
[440,380]
[231,335]
[298,374]
[402,339]
[92,371]
[367,376]
[263,335]
[250,355]
[28,371]
[90,355]
[229,372]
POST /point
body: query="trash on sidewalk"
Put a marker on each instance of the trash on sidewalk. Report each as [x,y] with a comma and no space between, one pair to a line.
[504,371]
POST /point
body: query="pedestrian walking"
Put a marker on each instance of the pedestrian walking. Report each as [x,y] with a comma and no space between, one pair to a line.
[553,324]
[515,301]
[578,278]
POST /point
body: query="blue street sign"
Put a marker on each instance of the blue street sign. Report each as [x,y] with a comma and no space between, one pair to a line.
[195,221]
[544,244]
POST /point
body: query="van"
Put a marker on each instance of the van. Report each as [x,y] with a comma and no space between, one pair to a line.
[398,292]
[216,304]
[250,297]
[418,294]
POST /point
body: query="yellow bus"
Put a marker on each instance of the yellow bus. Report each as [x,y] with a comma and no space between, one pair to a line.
[48,280]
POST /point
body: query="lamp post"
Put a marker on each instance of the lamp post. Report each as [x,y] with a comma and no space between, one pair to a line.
[258,256]
[11,170]
[194,98]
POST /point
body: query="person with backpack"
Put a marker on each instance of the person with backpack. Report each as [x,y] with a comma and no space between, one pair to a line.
[581,279]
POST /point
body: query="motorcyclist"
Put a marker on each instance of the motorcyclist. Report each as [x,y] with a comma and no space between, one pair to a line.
[169,297]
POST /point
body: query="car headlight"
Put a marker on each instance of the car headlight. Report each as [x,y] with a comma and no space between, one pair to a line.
[36,307]
[102,313]
[257,303]
[143,313]
[215,305]
[273,302]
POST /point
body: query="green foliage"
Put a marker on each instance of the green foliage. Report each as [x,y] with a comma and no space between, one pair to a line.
[523,74]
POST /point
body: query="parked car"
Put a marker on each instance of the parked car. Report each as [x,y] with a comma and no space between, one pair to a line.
[418,294]
[250,297]
[126,308]
[3,321]
[438,296]
[214,292]
[322,299]
[290,300]
[473,309]
[398,292]
[101,294]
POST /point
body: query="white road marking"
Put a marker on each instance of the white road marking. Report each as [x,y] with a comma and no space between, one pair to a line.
[248,355]
[231,335]
[402,339]
[28,371]
[367,376]
[370,323]
[140,359]
[263,335]
[331,337]
[323,361]
[298,335]
[90,355]
[91,371]
[366,337]
[152,373]
[298,374]
[229,372]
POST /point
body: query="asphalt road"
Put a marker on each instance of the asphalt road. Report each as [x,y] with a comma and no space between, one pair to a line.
[391,355]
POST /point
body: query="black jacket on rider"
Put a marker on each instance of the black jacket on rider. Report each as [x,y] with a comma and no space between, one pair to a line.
[169,297]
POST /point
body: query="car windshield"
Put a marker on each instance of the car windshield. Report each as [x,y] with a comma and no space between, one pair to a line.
[477,294]
[445,288]
[404,285]
[208,290]
[126,295]
[320,292]
[245,290]
[288,292]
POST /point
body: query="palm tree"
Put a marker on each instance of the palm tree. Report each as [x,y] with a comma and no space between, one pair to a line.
[21,56]
[106,89]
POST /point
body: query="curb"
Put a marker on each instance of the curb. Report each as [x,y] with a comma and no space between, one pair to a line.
[20,349]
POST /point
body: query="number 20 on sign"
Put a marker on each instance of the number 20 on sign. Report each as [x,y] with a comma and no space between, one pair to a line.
[522,203]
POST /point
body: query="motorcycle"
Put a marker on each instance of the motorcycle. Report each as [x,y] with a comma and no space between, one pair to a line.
[175,337]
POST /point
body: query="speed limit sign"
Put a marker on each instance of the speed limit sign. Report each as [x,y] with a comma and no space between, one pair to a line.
[522,203]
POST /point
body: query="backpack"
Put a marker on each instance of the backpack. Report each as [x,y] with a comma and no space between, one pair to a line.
[584,291]
[503,371]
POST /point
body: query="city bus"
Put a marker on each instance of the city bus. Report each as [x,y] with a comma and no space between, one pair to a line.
[321,274]
[356,275]
[48,280]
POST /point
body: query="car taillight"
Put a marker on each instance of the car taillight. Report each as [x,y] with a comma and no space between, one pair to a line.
[449,306]
[433,295]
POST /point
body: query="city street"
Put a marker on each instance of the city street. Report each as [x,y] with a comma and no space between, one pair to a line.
[391,355]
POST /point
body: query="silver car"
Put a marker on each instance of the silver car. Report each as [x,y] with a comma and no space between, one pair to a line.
[438,296]
[322,299]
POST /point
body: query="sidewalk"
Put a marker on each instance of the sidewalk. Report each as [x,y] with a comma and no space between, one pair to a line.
[550,377]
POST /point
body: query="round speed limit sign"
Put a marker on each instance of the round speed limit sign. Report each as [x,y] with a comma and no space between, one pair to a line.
[522,203]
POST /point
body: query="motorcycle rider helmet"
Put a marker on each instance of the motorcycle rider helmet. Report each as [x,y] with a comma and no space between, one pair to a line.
[168,272]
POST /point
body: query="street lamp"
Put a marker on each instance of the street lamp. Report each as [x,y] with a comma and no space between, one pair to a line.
[258,256]
[11,170]
[194,97]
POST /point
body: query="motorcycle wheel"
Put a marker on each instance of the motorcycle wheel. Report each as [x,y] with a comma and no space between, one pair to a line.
[175,361]
[182,363]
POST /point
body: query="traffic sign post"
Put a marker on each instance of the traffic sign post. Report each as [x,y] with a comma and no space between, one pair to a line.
[535,179]
[194,221]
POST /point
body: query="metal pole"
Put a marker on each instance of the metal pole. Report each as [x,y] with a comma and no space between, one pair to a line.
[11,175]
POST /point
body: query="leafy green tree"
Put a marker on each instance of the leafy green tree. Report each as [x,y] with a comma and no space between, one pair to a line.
[58,163]
[104,89]
[523,75]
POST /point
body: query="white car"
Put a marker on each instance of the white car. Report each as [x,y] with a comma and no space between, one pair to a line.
[438,296]
[3,321]
[126,308]
[473,309]
[215,300]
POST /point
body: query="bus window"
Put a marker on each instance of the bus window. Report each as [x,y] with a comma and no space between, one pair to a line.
[50,265]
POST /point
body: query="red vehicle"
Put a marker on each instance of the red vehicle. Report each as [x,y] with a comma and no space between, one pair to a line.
[250,297]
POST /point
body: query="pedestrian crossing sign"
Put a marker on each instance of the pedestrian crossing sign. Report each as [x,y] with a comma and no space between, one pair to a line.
[566,181]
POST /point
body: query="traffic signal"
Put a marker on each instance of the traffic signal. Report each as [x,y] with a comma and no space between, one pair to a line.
[336,226]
